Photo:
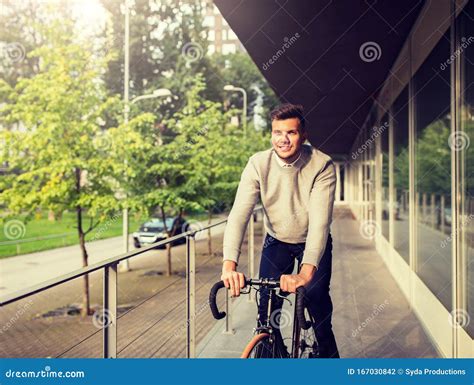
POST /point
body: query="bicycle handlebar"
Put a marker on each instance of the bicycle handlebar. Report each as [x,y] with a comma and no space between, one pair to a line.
[213,302]
[272,284]
[300,297]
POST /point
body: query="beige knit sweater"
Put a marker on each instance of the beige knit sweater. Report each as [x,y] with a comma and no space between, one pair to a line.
[297,201]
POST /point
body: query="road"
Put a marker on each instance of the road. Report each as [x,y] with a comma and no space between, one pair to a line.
[27,270]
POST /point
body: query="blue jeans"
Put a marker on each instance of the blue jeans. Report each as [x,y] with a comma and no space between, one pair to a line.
[279,258]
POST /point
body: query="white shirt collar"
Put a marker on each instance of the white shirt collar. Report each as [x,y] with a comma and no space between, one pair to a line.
[287,165]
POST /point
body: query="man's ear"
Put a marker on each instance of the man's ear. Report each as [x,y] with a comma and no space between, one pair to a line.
[304,135]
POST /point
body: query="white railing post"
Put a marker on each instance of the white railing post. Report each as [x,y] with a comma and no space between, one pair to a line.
[251,251]
[190,296]
[109,316]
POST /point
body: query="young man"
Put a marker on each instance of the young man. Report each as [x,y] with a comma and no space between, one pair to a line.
[296,185]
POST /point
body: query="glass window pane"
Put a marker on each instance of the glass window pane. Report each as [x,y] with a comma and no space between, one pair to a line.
[466,143]
[433,171]
[401,229]
[383,129]
[371,182]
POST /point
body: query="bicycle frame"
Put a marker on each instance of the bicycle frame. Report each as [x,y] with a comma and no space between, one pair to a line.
[267,327]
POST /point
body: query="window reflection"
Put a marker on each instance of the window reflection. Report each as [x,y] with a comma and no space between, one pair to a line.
[401,230]
[383,130]
[433,171]
[466,143]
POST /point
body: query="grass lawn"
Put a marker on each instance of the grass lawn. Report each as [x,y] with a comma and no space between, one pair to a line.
[42,227]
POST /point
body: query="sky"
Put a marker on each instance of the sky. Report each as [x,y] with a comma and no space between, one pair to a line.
[92,16]
[90,13]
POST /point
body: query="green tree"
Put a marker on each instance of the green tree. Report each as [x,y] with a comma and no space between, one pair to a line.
[239,70]
[168,43]
[433,159]
[211,151]
[56,151]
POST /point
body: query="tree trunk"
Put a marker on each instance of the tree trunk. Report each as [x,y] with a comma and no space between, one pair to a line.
[85,310]
[168,245]
[209,240]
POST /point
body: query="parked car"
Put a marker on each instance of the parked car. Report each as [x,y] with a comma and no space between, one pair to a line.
[153,231]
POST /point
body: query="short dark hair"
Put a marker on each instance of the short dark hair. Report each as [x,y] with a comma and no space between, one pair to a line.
[289,111]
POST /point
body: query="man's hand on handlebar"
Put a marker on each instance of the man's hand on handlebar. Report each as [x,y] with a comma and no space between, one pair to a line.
[232,279]
[290,282]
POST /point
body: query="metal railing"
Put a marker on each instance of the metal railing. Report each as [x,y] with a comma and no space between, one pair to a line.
[110,287]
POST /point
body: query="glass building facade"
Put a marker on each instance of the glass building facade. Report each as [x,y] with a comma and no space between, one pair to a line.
[415,178]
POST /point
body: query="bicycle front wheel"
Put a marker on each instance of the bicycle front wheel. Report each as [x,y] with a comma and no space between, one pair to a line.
[258,347]
[262,346]
[305,342]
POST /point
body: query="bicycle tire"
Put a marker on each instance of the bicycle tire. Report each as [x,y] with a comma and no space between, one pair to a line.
[307,344]
[256,339]
[260,346]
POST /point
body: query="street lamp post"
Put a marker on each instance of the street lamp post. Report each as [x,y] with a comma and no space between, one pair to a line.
[159,93]
[126,81]
[230,87]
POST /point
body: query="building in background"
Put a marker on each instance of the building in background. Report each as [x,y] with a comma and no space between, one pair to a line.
[221,37]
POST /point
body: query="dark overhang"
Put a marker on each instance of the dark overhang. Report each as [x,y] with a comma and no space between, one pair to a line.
[310,53]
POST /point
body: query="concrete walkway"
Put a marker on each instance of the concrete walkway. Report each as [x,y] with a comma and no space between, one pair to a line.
[371,316]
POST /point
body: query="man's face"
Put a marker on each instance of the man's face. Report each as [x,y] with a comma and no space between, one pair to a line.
[287,138]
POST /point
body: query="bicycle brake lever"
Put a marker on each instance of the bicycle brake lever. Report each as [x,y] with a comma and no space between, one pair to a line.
[249,289]
[284,297]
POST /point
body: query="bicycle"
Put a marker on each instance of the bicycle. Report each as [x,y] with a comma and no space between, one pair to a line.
[266,343]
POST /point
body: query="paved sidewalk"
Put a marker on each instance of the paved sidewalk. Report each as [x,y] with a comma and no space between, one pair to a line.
[22,271]
[371,316]
[152,312]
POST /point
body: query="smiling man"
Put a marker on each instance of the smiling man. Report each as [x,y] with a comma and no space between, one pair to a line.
[295,184]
